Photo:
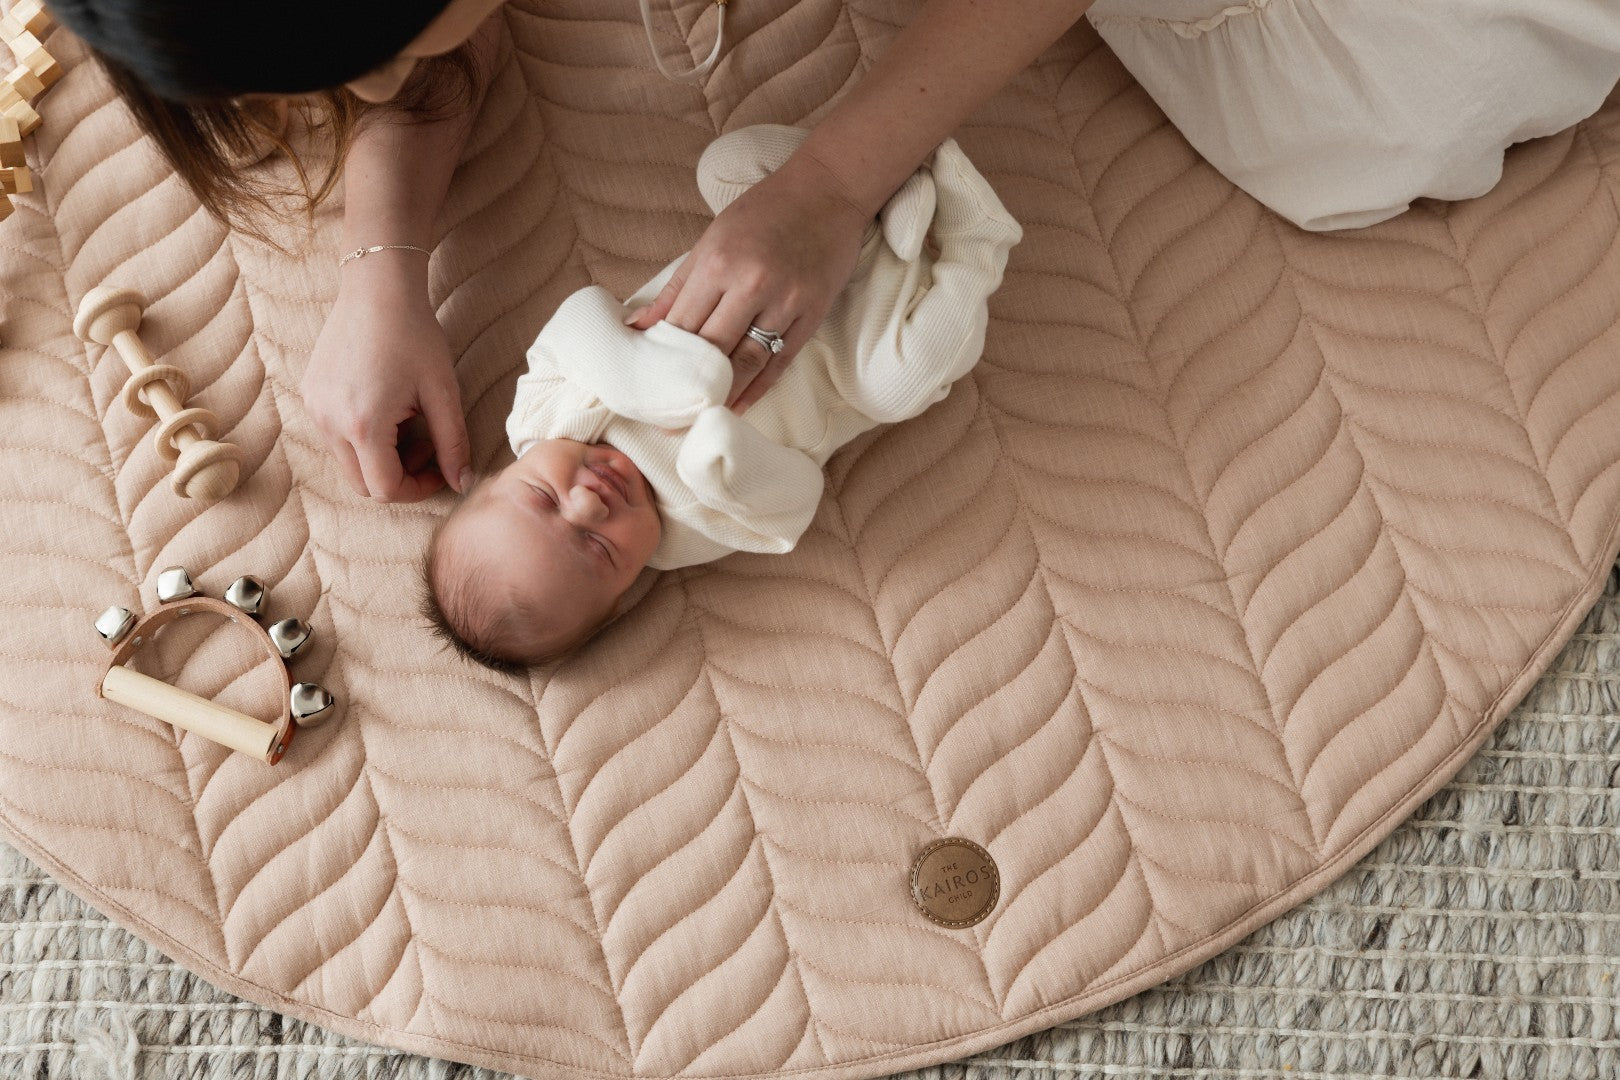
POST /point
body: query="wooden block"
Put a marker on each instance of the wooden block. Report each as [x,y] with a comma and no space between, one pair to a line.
[26,82]
[5,207]
[20,113]
[11,147]
[33,16]
[18,181]
[14,108]
[32,55]
[17,22]
[9,97]
[23,115]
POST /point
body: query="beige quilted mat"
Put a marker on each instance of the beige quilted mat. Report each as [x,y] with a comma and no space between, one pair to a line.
[1232,549]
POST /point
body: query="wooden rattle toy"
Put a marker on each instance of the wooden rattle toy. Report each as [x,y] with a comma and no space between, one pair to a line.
[21,28]
[203,469]
[304,705]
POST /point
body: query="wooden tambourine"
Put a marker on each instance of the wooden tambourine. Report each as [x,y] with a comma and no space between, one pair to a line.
[303,704]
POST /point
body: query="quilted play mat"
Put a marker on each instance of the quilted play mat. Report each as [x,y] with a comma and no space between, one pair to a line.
[1235,546]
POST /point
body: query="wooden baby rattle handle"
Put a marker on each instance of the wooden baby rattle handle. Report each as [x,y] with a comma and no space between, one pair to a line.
[204,469]
[183,709]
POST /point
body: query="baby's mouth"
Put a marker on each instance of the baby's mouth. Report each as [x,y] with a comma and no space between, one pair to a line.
[613,480]
[622,471]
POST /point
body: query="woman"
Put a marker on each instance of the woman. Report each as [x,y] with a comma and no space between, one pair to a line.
[774,259]
[1335,115]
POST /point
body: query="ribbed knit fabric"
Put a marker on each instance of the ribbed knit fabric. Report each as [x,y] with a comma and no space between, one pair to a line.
[904,329]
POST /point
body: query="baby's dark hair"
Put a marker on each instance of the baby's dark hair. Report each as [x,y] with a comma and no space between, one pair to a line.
[478,630]
[445,630]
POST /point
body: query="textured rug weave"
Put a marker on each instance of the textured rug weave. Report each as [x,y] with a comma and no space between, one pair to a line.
[1481,939]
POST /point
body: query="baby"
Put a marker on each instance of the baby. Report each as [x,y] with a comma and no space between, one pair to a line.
[627,456]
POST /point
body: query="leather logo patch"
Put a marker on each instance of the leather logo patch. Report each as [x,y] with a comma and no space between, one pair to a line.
[955,882]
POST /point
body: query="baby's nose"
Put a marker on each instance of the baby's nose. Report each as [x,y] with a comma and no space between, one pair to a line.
[585,506]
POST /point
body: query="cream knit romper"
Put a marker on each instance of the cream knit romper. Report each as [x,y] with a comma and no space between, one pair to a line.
[906,326]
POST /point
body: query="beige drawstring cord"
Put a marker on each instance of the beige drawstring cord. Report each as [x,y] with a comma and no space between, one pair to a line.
[702,69]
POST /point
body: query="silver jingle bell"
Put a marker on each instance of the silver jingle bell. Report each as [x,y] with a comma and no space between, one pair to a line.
[289,635]
[248,594]
[174,584]
[312,704]
[114,624]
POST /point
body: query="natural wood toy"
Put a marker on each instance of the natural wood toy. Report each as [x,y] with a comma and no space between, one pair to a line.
[22,28]
[305,704]
[203,469]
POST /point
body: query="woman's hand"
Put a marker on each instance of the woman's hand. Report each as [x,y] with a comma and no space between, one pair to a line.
[381,387]
[775,258]
[778,255]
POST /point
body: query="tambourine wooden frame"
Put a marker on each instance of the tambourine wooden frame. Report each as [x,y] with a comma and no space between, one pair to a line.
[169,703]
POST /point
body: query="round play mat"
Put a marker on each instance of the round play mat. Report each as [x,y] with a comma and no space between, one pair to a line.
[1234,547]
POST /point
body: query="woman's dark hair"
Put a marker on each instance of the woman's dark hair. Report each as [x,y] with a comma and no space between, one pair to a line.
[199,74]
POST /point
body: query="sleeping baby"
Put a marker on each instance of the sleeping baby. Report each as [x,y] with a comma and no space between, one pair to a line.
[627,456]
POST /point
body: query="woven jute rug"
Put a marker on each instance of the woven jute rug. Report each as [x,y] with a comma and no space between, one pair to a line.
[1482,939]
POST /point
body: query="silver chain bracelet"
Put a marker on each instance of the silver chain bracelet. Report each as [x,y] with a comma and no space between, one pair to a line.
[360,252]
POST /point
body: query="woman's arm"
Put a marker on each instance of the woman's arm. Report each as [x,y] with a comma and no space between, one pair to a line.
[947,62]
[778,255]
[382,359]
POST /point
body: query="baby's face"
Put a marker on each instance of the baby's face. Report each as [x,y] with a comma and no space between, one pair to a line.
[567,526]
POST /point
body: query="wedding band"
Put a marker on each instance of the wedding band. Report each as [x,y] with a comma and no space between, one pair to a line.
[772,342]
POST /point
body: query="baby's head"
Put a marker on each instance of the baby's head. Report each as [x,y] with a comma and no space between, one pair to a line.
[538,557]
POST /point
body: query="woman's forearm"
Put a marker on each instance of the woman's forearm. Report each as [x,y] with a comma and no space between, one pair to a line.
[398,171]
[396,177]
[953,56]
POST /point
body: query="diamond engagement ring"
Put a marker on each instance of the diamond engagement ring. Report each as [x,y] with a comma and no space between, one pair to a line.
[772,342]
